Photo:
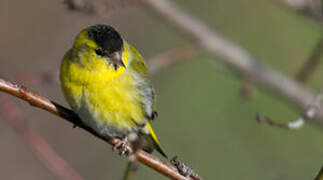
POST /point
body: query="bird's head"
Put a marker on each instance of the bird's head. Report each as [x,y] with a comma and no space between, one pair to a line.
[100,45]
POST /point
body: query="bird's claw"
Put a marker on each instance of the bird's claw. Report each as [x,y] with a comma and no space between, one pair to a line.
[122,147]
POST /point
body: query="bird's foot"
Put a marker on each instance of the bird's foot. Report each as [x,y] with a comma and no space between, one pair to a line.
[122,146]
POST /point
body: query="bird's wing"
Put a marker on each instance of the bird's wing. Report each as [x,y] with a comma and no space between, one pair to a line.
[147,100]
[147,92]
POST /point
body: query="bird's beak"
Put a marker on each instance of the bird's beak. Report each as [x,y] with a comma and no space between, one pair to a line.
[116,58]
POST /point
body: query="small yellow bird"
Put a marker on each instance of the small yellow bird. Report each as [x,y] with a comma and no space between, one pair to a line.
[105,81]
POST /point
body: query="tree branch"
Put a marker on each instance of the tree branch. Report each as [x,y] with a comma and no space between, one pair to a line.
[184,169]
[56,109]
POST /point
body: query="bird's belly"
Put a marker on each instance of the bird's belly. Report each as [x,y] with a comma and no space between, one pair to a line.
[112,110]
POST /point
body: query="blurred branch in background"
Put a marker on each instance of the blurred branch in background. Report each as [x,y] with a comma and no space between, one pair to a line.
[311,8]
[43,151]
[56,109]
[314,10]
[131,168]
[320,175]
[170,57]
[233,55]
[13,115]
[247,86]
[308,114]
[312,62]
[98,7]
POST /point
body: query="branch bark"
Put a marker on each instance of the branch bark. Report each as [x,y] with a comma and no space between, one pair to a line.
[68,115]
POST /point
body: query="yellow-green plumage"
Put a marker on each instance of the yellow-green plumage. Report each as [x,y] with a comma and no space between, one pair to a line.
[112,99]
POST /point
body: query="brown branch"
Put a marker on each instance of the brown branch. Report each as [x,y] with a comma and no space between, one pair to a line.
[43,151]
[56,109]
[233,55]
[312,63]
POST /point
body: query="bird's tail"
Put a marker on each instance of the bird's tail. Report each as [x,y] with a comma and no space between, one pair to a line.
[152,140]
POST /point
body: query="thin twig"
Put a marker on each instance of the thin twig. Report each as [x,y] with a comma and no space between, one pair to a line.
[297,124]
[56,109]
[247,86]
[184,169]
[131,168]
[312,63]
[43,151]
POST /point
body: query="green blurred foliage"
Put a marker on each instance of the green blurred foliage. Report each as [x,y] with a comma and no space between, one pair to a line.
[203,119]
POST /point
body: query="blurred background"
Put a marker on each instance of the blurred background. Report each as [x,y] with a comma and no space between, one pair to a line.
[203,118]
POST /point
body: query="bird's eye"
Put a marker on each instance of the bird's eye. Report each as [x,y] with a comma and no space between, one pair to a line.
[99,52]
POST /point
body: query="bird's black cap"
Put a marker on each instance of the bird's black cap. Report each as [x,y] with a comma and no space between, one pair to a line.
[106,37]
